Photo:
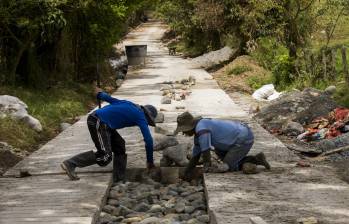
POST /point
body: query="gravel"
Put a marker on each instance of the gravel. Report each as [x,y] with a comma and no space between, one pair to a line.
[145,203]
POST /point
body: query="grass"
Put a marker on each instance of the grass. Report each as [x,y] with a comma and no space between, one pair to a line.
[238,70]
[51,107]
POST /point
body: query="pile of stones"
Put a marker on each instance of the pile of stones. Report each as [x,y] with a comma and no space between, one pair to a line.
[178,90]
[151,202]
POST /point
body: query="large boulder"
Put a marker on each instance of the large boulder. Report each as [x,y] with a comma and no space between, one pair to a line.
[298,106]
[10,105]
[162,142]
[213,58]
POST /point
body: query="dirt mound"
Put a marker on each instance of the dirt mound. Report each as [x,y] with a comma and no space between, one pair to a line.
[234,76]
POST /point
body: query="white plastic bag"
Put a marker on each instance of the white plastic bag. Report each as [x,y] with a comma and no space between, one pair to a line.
[264,92]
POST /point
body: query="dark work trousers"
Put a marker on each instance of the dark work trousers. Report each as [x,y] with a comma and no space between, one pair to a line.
[106,140]
[237,152]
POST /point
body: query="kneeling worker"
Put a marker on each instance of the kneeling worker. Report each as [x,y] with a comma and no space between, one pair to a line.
[102,125]
[231,141]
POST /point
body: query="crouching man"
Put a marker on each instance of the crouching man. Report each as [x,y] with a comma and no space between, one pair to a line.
[102,125]
[231,141]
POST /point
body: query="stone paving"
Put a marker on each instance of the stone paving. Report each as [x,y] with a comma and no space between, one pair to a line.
[282,195]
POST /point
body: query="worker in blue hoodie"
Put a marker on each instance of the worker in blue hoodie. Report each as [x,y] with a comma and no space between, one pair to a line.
[103,124]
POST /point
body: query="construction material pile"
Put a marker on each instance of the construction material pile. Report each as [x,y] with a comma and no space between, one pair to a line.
[311,120]
[155,203]
[294,110]
[177,90]
[331,126]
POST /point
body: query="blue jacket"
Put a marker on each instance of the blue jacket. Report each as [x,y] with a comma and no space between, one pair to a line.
[220,135]
[122,113]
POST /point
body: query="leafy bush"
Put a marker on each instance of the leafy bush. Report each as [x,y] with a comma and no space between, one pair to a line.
[257,81]
[237,70]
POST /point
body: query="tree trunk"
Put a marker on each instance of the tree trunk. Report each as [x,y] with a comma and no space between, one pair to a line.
[345,64]
[12,73]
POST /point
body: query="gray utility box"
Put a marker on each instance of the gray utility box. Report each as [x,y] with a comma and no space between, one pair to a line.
[136,54]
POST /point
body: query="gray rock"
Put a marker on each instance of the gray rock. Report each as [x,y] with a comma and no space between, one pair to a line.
[150,220]
[203,218]
[160,118]
[213,58]
[330,90]
[198,213]
[108,209]
[115,211]
[189,209]
[193,221]
[17,109]
[155,209]
[180,207]
[161,130]
[113,202]
[184,217]
[132,220]
[106,218]
[64,126]
[177,154]
[292,128]
[198,204]
[196,196]
[142,207]
[124,211]
[166,100]
[172,193]
[166,87]
[162,141]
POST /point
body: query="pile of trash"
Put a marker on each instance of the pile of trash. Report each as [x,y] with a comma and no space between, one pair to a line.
[177,90]
[266,93]
[331,126]
[293,110]
[312,120]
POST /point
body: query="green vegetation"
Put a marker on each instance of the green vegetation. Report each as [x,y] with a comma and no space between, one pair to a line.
[238,70]
[49,50]
[290,38]
[52,107]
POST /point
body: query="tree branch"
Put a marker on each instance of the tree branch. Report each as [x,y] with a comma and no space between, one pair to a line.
[13,35]
[334,27]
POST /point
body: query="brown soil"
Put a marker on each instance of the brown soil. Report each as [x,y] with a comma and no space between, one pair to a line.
[238,83]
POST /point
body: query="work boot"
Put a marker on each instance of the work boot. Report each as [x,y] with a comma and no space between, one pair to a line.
[81,160]
[249,168]
[119,167]
[219,168]
[206,157]
[70,170]
[261,160]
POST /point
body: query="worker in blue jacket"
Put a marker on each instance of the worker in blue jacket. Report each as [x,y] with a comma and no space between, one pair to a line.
[230,140]
[102,124]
